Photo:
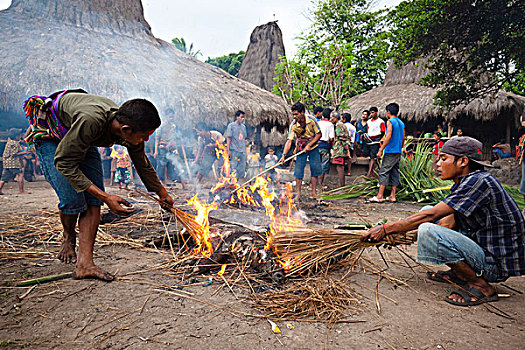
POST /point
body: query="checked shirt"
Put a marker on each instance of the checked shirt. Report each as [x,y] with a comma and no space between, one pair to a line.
[487,214]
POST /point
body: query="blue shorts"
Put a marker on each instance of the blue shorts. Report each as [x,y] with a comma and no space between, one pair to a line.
[70,201]
[324,153]
[501,154]
[315,164]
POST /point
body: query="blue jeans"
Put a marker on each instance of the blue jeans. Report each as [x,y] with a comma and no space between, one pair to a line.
[501,154]
[522,183]
[440,245]
[238,162]
[324,153]
[315,164]
[70,201]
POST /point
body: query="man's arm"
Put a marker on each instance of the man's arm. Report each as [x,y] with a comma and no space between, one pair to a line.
[412,222]
[286,149]
[387,139]
[314,141]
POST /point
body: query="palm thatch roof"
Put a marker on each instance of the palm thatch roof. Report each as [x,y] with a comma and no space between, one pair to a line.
[264,52]
[51,45]
[417,102]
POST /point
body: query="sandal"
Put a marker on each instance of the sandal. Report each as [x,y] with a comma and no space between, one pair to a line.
[376,200]
[445,277]
[467,293]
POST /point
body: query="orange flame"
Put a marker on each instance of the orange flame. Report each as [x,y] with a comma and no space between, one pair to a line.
[227,177]
[204,246]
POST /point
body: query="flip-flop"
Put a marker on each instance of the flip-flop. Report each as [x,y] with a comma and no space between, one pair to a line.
[376,200]
[445,277]
[467,293]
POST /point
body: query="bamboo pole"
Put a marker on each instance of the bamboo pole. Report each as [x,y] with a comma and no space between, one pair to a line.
[45,279]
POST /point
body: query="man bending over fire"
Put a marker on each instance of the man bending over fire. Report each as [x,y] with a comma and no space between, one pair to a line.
[306,133]
[478,230]
[65,128]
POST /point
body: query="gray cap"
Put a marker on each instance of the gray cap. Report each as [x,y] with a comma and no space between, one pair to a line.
[465,146]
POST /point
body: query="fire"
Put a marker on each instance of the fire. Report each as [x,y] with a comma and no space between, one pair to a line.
[204,246]
[227,177]
[221,272]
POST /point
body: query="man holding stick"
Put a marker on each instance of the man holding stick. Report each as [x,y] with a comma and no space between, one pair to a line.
[478,230]
[306,133]
[65,128]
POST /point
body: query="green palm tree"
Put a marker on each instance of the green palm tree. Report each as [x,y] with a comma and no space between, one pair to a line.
[180,44]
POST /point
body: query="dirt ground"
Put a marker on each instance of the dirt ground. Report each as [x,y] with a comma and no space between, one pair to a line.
[130,313]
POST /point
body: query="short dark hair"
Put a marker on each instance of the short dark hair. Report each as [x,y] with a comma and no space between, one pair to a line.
[238,113]
[393,108]
[139,114]
[318,109]
[472,166]
[346,117]
[327,112]
[366,111]
[298,106]
[200,126]
[373,109]
[437,134]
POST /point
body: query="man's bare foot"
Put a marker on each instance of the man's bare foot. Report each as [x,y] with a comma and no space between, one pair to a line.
[92,272]
[67,253]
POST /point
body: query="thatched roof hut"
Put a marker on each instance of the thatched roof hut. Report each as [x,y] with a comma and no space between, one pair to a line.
[264,52]
[50,44]
[489,119]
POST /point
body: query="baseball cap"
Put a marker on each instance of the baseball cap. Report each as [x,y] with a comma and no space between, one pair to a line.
[465,146]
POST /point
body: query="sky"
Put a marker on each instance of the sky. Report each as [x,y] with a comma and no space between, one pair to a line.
[218,28]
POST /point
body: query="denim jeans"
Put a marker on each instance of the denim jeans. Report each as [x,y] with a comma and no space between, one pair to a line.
[325,159]
[70,201]
[238,163]
[314,158]
[522,183]
[440,245]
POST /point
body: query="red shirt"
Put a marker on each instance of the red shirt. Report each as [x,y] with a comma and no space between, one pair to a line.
[437,148]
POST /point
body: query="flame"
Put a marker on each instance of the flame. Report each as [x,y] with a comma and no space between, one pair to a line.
[228,178]
[204,246]
[221,272]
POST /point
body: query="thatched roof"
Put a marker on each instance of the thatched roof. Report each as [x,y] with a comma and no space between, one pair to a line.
[417,102]
[264,52]
[50,44]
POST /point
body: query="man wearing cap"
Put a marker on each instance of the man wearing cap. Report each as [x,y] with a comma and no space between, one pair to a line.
[478,230]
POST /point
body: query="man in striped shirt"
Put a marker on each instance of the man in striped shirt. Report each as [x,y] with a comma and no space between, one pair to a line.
[478,230]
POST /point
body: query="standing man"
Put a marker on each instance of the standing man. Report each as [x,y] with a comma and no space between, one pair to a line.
[478,230]
[12,157]
[347,118]
[306,133]
[375,129]
[360,128]
[237,140]
[325,144]
[318,113]
[206,150]
[341,146]
[392,147]
[74,123]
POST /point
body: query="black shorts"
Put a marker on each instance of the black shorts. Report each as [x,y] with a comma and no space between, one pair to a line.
[370,150]
[9,174]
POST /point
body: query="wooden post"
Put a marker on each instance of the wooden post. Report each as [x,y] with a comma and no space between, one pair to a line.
[507,134]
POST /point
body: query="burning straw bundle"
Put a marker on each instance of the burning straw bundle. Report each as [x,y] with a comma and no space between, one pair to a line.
[314,250]
[317,299]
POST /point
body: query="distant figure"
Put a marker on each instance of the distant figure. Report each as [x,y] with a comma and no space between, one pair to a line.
[237,140]
[436,149]
[440,131]
[360,128]
[341,146]
[12,158]
[392,147]
[375,129]
[353,144]
[206,153]
[501,149]
[123,165]
[306,133]
[269,161]
[459,133]
[325,144]
[254,162]
[318,113]
[105,156]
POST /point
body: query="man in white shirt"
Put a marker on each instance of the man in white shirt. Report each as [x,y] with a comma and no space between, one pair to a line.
[371,144]
[325,144]
[351,131]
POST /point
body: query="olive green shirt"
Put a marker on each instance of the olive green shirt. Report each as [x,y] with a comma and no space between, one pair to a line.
[88,119]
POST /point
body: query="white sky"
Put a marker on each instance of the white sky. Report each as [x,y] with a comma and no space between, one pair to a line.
[220,27]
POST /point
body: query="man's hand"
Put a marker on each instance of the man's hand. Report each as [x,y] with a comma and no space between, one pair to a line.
[380,153]
[308,148]
[115,205]
[375,234]
[165,197]
[281,160]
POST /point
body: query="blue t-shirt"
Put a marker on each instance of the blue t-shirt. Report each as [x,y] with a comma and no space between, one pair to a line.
[396,140]
[238,135]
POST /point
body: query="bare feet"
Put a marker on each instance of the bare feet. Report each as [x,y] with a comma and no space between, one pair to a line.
[67,252]
[92,272]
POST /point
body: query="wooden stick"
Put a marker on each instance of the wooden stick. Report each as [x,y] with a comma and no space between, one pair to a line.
[267,170]
[186,162]
[45,279]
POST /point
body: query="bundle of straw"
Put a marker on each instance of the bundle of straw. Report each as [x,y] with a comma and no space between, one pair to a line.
[309,250]
[315,299]
[187,220]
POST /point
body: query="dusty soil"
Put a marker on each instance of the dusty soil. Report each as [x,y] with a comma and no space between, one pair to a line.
[130,313]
